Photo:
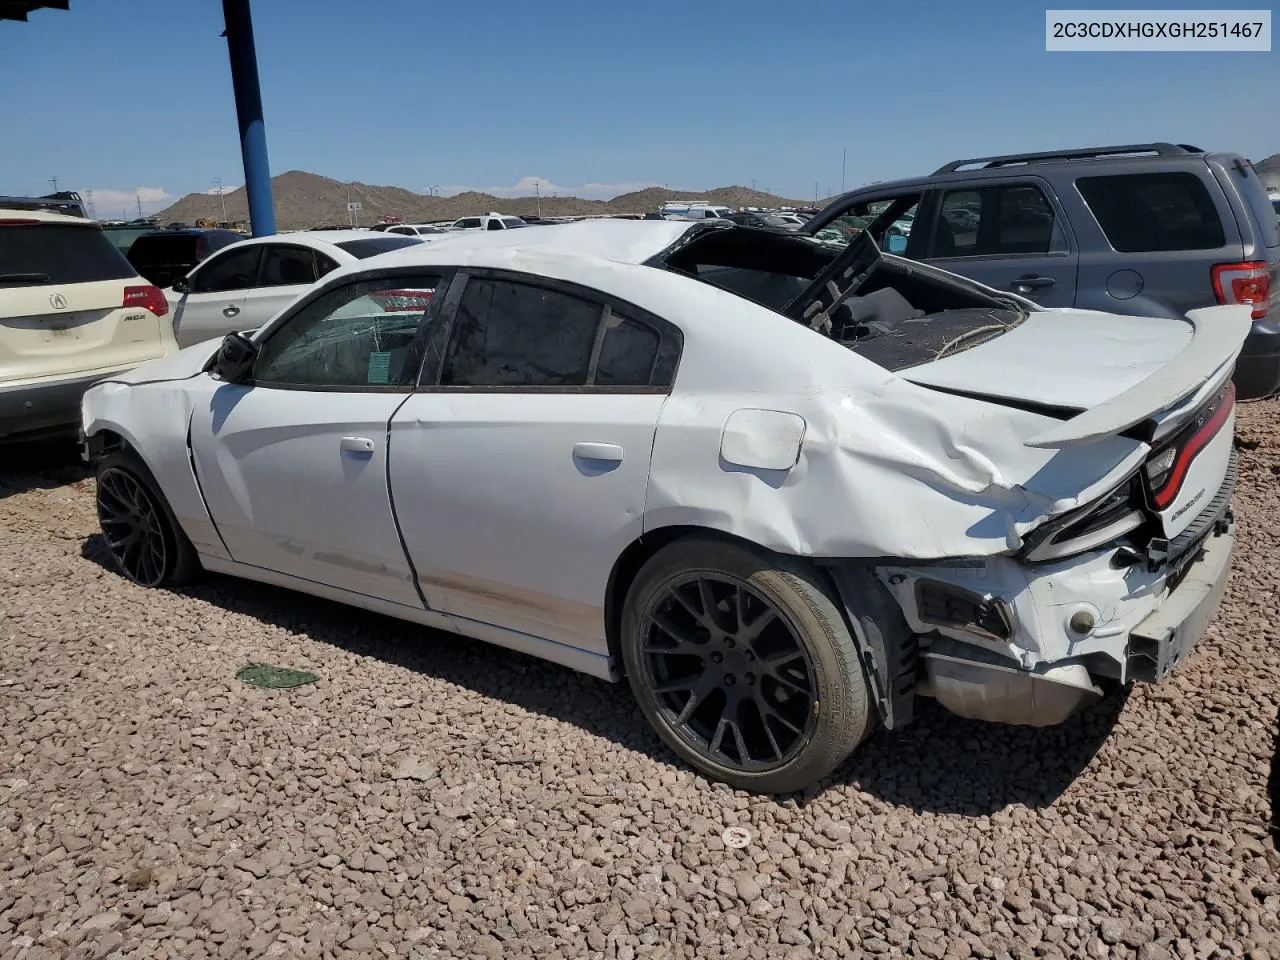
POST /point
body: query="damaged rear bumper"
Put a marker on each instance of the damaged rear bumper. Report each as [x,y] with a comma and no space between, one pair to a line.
[1009,642]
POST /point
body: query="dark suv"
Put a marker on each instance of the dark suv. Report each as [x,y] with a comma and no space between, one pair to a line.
[1147,230]
[165,255]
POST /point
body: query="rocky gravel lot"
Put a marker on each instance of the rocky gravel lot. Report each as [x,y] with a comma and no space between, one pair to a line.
[431,797]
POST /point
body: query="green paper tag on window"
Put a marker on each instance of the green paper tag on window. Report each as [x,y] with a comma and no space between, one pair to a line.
[379,367]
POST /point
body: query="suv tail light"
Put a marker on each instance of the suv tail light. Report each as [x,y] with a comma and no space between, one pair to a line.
[1247,283]
[149,297]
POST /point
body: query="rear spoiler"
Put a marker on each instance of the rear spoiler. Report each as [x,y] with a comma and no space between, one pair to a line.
[1218,333]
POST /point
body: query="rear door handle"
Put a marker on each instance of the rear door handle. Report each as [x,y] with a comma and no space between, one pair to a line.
[1031,282]
[231,311]
[357,445]
[606,452]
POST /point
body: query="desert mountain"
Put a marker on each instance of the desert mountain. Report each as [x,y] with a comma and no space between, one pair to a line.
[307,200]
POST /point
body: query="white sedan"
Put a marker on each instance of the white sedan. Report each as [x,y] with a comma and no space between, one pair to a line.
[783,489]
[244,285]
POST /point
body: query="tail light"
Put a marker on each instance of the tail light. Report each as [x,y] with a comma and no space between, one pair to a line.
[402,301]
[1248,282]
[148,297]
[1167,467]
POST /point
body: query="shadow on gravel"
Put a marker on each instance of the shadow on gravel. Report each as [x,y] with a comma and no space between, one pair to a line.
[1273,788]
[39,464]
[945,764]
[940,763]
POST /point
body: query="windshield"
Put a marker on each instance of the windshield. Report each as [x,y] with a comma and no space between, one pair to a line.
[512,222]
[376,245]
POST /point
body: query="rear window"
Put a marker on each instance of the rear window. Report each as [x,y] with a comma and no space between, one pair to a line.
[47,253]
[376,245]
[1149,212]
[1261,206]
[220,239]
[159,248]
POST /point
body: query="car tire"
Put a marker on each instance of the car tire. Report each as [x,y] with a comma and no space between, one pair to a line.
[142,535]
[764,690]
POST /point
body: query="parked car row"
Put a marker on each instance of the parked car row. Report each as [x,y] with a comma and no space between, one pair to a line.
[966,436]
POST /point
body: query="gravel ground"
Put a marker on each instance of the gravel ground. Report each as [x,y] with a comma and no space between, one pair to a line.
[431,797]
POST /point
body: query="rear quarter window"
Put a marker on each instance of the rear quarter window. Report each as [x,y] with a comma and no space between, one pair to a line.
[1151,212]
[1265,211]
[49,253]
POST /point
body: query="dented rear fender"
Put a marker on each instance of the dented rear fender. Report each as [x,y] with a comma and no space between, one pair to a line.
[900,471]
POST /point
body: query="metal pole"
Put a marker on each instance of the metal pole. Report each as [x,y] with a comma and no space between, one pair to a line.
[223,197]
[843,157]
[253,131]
[537,189]
[54,181]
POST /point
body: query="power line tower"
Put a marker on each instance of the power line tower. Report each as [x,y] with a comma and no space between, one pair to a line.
[222,197]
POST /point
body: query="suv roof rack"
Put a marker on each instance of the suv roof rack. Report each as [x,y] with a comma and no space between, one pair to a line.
[64,201]
[1084,153]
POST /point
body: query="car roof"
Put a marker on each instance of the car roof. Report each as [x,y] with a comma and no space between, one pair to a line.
[324,237]
[622,241]
[46,217]
[1030,165]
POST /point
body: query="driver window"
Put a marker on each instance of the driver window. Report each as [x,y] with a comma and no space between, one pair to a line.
[360,335]
[233,270]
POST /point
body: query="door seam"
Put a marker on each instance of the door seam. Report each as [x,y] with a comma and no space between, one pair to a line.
[395,516]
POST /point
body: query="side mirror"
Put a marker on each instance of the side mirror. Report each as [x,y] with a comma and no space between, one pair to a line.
[235,358]
[897,243]
[180,285]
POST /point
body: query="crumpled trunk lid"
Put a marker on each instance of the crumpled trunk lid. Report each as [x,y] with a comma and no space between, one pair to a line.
[1064,359]
[1107,373]
[1104,375]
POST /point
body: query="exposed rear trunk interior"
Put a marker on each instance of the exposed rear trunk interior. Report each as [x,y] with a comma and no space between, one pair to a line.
[895,313]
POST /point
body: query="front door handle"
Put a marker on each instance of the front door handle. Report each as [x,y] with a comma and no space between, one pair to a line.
[357,445]
[231,311]
[605,452]
[1031,282]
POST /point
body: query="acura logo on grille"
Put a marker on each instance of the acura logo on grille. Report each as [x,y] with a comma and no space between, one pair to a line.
[58,301]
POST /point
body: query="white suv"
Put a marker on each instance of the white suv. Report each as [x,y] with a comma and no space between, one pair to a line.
[490,221]
[72,311]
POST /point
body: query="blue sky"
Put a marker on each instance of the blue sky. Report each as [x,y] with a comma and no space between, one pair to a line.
[122,96]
